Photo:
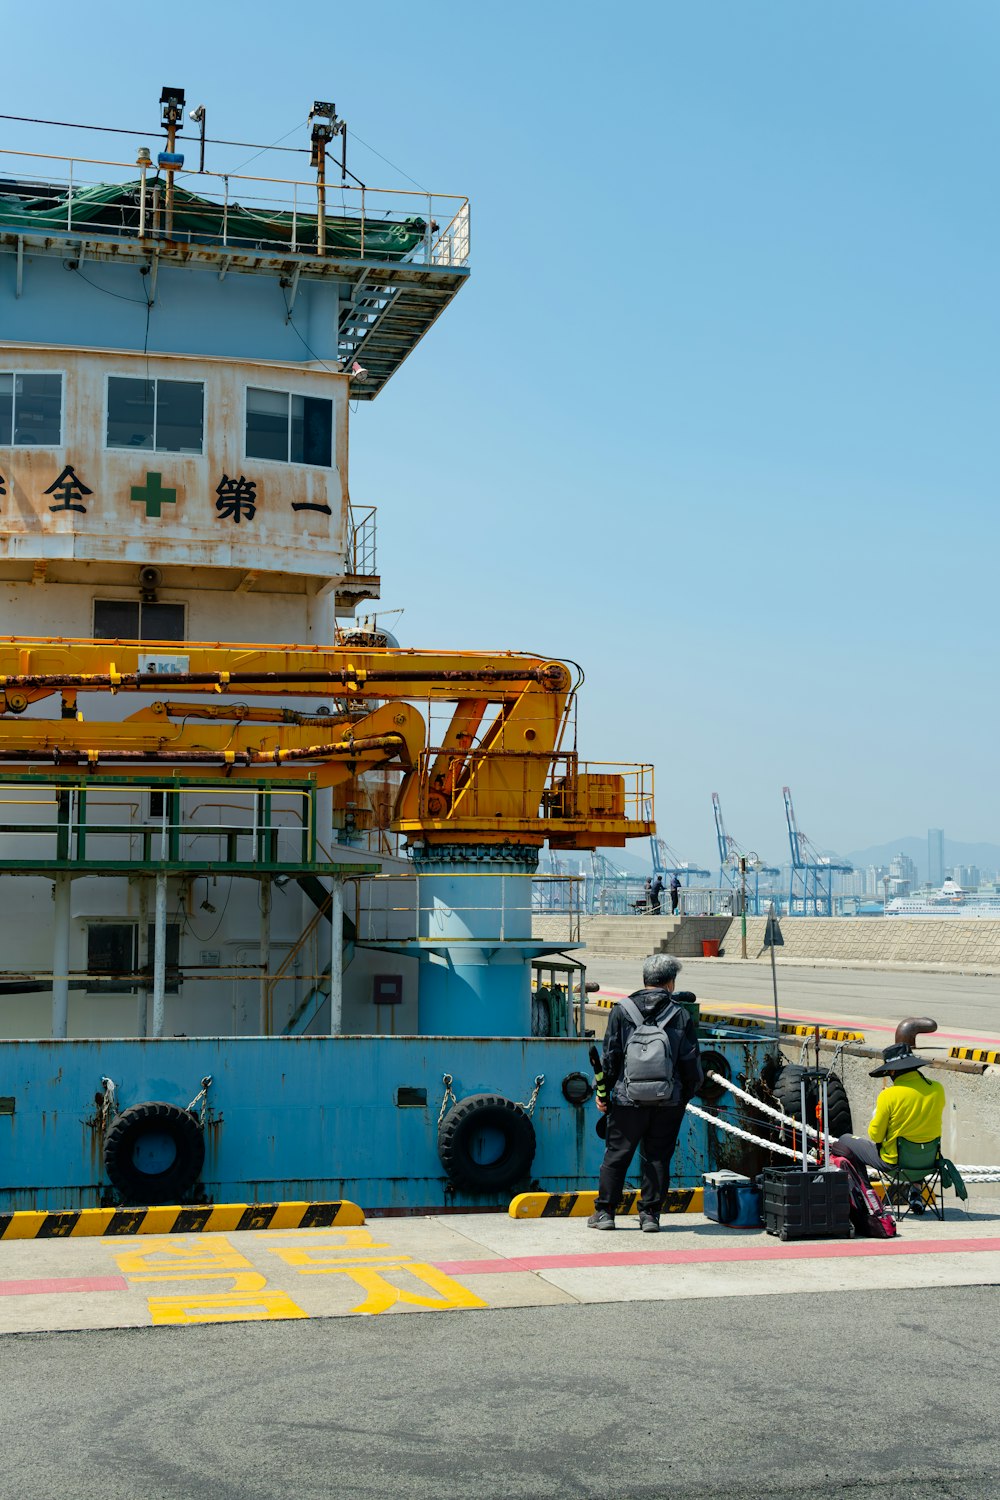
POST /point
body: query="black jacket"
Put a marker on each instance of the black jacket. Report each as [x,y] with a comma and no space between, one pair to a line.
[688,1072]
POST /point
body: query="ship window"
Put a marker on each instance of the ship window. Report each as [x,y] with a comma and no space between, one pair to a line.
[113,957]
[166,416]
[135,620]
[289,428]
[30,411]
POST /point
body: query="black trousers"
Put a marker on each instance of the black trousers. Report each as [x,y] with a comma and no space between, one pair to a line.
[653,1127]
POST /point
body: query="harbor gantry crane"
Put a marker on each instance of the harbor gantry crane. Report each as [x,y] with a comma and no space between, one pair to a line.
[730,855]
[613,893]
[811,882]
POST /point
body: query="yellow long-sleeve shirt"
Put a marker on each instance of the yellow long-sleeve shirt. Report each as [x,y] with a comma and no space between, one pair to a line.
[912,1107]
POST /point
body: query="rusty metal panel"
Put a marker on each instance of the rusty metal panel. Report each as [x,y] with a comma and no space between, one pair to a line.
[144,506]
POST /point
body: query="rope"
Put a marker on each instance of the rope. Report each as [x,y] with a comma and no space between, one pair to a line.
[447,1080]
[766,1109]
[970,1173]
[529,1108]
[692,1109]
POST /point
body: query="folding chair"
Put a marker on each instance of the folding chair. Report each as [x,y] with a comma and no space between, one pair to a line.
[913,1184]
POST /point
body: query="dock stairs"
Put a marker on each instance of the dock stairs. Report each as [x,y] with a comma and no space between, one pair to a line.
[625,937]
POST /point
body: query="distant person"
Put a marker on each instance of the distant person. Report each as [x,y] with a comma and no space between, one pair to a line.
[652,1067]
[912,1106]
[655,892]
[647,894]
[675,893]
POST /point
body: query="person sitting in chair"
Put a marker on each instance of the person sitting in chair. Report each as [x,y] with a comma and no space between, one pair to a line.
[912,1106]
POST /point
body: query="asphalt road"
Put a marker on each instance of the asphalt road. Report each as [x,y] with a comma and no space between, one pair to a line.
[846,1394]
[871,1000]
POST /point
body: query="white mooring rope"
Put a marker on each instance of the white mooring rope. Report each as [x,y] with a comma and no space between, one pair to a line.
[968,1172]
[766,1109]
[692,1109]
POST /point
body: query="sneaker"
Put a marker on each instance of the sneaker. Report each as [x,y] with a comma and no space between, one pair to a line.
[649,1223]
[916,1201]
[600,1220]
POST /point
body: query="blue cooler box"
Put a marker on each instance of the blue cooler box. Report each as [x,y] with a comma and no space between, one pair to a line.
[733,1200]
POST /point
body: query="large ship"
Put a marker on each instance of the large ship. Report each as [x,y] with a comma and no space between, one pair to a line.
[949,900]
[267,877]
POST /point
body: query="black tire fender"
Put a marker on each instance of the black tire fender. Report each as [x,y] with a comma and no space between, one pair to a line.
[464,1125]
[787,1090]
[160,1126]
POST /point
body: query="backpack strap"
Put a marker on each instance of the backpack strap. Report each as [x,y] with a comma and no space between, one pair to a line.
[633,1012]
[636,1016]
[671,1012]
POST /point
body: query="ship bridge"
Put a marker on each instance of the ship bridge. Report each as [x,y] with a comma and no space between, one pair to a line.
[356,287]
[179,354]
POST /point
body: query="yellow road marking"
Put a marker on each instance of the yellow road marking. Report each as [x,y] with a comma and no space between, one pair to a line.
[227,1307]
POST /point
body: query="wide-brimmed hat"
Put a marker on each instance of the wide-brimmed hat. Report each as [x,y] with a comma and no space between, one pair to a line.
[899,1058]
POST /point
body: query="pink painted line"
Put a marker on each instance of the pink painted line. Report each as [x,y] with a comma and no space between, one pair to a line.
[800,1250]
[837,1023]
[63,1284]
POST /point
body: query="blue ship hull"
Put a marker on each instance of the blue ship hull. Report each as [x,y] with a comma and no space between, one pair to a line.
[307,1118]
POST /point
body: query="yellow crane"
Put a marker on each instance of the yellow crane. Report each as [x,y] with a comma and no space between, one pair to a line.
[499,773]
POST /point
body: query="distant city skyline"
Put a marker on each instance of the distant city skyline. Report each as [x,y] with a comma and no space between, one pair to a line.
[905,861]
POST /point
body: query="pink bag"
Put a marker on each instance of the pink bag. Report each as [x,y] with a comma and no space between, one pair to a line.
[868,1215]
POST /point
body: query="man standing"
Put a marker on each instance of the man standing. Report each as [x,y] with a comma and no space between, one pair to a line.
[655,892]
[652,1067]
[675,893]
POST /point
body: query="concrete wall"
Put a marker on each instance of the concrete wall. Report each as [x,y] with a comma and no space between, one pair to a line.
[948,941]
[635,937]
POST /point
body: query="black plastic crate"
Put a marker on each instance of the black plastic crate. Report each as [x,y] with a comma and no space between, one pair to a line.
[806,1205]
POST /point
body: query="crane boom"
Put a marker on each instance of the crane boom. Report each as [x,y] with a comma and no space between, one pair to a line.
[498,774]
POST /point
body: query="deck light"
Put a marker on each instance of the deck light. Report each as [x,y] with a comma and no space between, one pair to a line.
[200,118]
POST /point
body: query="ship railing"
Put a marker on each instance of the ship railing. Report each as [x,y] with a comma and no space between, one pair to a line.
[509,774]
[457,906]
[598,790]
[231,211]
[361,549]
[108,821]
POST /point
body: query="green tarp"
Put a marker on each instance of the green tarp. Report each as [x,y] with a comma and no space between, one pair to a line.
[114,208]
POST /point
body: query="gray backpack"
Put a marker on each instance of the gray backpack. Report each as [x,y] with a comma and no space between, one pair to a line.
[649,1058]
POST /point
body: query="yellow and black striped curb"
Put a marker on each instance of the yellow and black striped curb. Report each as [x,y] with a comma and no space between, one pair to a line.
[756,1023]
[826,1033]
[581,1205]
[176,1219]
[788,1028]
[973,1054]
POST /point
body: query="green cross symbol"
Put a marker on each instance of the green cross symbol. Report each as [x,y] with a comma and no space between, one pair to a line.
[153,495]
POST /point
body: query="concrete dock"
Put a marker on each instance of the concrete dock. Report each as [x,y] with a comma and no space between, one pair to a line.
[547,1361]
[464,1263]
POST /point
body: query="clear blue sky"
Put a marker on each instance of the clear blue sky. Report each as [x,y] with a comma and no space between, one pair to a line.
[716,416]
